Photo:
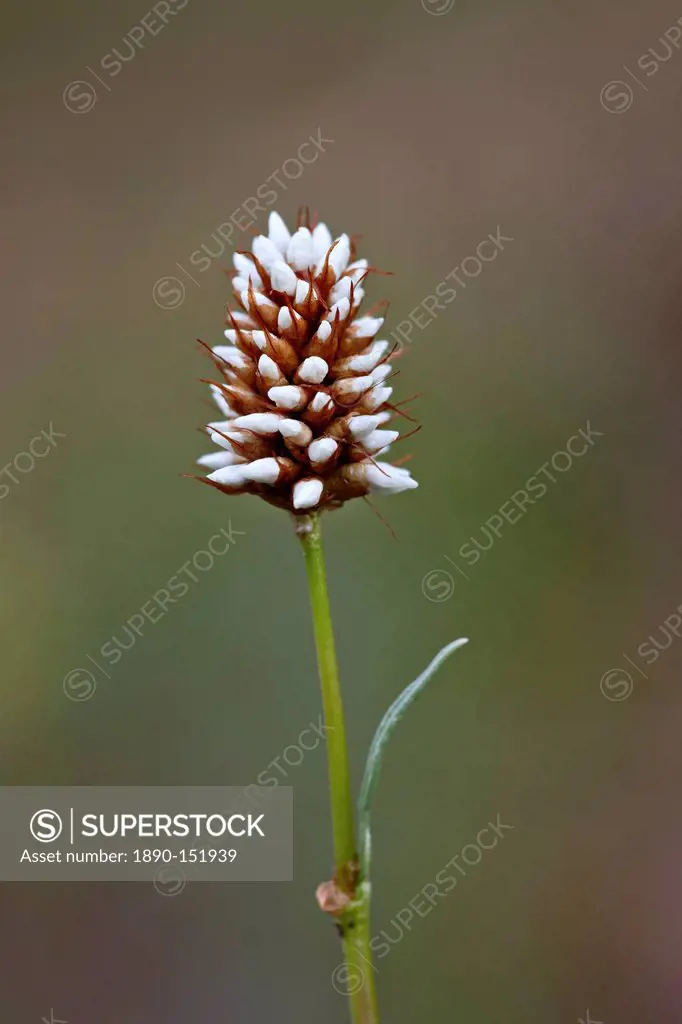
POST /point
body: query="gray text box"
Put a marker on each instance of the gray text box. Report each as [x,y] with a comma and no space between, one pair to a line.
[165,834]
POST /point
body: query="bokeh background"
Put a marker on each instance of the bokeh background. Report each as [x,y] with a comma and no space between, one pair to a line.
[448,121]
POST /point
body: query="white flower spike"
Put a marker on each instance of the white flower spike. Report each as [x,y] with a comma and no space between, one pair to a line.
[303,391]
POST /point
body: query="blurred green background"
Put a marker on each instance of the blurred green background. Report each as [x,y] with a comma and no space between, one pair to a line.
[447,123]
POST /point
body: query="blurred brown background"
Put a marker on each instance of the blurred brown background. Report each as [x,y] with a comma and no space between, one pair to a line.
[448,122]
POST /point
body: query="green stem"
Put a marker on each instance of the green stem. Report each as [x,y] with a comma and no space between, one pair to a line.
[357,979]
[337,753]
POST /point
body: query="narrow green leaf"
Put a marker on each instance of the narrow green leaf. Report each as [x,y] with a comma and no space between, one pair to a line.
[376,750]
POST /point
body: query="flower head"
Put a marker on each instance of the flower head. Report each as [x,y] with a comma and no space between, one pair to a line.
[302,384]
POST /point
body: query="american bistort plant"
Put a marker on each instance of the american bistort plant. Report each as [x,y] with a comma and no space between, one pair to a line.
[302,386]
